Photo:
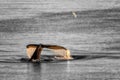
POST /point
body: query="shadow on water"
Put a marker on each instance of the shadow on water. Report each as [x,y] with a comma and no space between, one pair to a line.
[90,57]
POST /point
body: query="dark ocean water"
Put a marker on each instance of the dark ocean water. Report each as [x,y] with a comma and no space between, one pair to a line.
[95,32]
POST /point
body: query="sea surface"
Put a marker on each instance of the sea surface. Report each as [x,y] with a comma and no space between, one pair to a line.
[93,34]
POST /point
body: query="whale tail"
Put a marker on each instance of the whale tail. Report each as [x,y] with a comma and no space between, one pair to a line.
[34,51]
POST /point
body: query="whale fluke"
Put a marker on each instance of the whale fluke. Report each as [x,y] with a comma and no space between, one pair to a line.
[34,51]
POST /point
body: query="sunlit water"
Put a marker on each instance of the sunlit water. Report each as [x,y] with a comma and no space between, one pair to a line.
[90,33]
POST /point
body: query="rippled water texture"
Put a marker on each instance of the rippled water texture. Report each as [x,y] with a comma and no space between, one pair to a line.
[91,33]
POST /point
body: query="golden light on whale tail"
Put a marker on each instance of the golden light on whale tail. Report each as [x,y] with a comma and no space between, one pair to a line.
[34,51]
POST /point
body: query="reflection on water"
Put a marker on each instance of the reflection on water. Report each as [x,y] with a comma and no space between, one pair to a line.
[31,71]
[34,71]
[43,71]
[100,69]
[68,70]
